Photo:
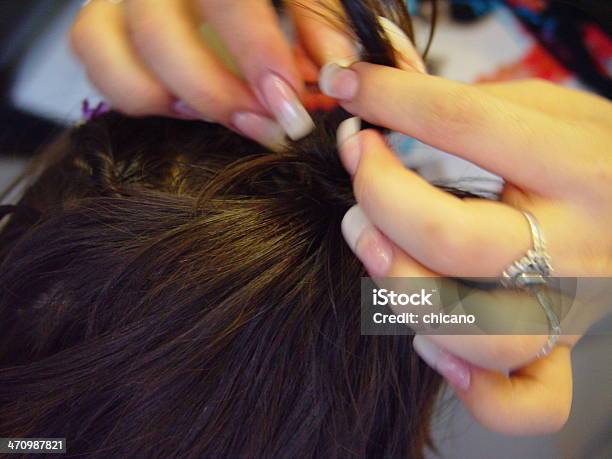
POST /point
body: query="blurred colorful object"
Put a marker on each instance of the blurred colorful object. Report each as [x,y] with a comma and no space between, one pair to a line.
[574,35]
[470,10]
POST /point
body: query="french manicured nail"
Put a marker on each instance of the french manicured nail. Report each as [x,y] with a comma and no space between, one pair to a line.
[453,369]
[369,244]
[338,82]
[349,144]
[261,129]
[186,112]
[402,44]
[286,107]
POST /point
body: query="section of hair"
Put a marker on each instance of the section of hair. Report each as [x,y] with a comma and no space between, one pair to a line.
[363,20]
[169,289]
[186,293]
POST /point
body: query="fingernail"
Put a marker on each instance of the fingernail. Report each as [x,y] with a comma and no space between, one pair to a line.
[402,44]
[349,144]
[338,82]
[453,369]
[186,112]
[286,107]
[261,129]
[369,244]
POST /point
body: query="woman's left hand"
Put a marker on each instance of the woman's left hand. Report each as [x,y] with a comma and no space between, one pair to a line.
[553,148]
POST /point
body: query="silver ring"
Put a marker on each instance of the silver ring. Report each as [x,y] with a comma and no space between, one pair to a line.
[554,327]
[530,273]
[534,267]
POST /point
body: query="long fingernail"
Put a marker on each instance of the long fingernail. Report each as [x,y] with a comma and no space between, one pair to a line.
[349,144]
[338,82]
[402,44]
[370,246]
[453,369]
[286,107]
[184,111]
[261,129]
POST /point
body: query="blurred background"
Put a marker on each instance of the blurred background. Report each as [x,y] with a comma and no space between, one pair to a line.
[568,42]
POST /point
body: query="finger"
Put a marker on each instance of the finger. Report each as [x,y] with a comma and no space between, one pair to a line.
[167,38]
[321,28]
[534,400]
[498,135]
[450,236]
[545,96]
[380,256]
[406,57]
[391,267]
[100,40]
[265,58]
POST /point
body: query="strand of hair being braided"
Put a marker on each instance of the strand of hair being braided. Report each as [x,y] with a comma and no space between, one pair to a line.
[363,15]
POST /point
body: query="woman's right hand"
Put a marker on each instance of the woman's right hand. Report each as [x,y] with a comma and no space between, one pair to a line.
[552,147]
[148,57]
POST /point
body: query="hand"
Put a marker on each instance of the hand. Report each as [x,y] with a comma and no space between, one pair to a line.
[148,57]
[552,147]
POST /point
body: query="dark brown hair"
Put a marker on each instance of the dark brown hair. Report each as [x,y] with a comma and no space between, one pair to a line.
[169,289]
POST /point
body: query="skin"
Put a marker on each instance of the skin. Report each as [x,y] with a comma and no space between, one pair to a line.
[552,147]
[146,55]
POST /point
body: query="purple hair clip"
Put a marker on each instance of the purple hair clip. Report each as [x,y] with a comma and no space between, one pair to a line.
[91,112]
